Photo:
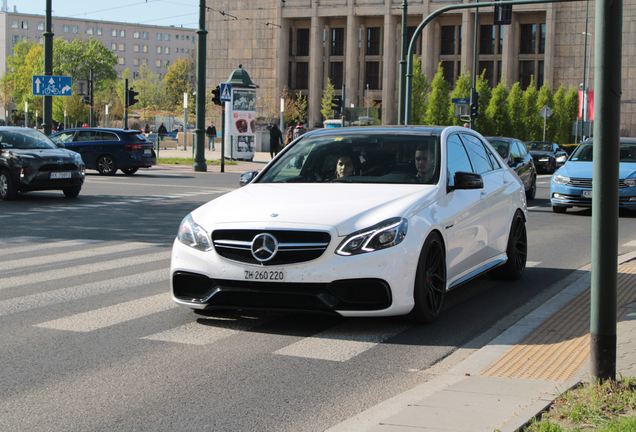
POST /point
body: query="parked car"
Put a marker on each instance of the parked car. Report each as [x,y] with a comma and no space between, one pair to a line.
[515,153]
[571,185]
[359,222]
[107,149]
[29,161]
[547,156]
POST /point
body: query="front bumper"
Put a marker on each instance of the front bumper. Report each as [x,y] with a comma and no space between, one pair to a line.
[31,178]
[572,197]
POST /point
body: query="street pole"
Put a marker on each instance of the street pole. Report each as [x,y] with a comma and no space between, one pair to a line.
[367,100]
[91,118]
[402,68]
[199,160]
[64,119]
[26,112]
[185,120]
[473,120]
[342,105]
[282,113]
[106,116]
[126,103]
[47,102]
[223,136]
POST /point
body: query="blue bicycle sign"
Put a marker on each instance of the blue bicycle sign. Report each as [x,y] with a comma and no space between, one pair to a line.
[47,85]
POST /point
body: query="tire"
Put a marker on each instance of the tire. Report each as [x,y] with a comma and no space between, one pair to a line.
[559,209]
[517,251]
[106,165]
[553,168]
[8,191]
[72,192]
[129,171]
[430,282]
[532,192]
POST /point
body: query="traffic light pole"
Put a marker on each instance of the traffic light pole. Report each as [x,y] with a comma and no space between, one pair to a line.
[47,103]
[126,103]
[91,118]
[199,160]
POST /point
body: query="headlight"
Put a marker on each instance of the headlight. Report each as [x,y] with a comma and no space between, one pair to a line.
[561,159]
[193,235]
[381,236]
[545,159]
[630,182]
[78,159]
[559,179]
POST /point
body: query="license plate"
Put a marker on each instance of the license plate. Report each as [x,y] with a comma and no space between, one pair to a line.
[586,194]
[60,175]
[265,275]
[147,151]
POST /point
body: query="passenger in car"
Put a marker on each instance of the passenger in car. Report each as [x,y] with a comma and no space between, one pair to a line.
[425,164]
[345,166]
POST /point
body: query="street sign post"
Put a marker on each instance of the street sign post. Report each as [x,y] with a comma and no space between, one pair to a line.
[226,92]
[47,85]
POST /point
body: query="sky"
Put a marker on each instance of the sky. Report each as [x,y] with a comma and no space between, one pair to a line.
[151,12]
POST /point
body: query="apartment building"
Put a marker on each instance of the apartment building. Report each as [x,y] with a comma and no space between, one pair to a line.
[357,43]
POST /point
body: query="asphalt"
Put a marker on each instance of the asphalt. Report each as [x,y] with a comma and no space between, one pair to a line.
[508,376]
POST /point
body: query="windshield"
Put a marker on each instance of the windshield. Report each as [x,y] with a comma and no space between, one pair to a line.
[584,153]
[26,139]
[539,146]
[342,157]
[501,146]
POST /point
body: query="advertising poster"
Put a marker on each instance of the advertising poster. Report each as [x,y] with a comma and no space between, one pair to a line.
[242,122]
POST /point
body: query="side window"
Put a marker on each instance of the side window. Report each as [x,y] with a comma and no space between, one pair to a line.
[63,137]
[109,136]
[477,153]
[522,149]
[84,136]
[514,151]
[457,158]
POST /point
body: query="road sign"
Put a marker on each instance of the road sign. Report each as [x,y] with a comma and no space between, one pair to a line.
[47,85]
[460,100]
[226,92]
[546,112]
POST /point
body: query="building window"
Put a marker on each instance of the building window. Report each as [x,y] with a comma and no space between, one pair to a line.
[136,62]
[410,31]
[336,74]
[14,39]
[302,75]
[136,35]
[122,33]
[41,26]
[373,41]
[337,42]
[75,29]
[15,24]
[158,50]
[488,68]
[25,25]
[144,48]
[113,32]
[181,49]
[113,46]
[122,47]
[526,71]
[540,80]
[166,63]
[144,62]
[167,50]
[449,71]
[177,37]
[89,30]
[448,40]
[99,31]
[303,42]
[158,63]
[166,37]
[187,37]
[487,39]
[136,48]
[121,60]
[144,35]
[159,36]
[65,28]
[528,38]
[373,75]
[541,38]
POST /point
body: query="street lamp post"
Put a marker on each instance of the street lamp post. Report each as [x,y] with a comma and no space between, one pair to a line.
[586,80]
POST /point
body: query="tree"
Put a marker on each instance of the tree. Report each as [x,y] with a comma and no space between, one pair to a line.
[517,112]
[438,100]
[421,88]
[533,120]
[497,111]
[546,98]
[26,61]
[179,80]
[571,108]
[301,107]
[325,103]
[461,91]
[290,112]
[77,58]
[150,88]
[560,118]
[482,123]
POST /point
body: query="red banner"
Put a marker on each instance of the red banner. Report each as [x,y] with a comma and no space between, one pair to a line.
[590,104]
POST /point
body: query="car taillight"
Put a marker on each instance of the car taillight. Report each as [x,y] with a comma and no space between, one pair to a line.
[131,147]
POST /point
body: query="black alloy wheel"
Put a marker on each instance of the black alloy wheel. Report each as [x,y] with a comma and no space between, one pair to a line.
[106,165]
[517,251]
[7,190]
[430,282]
[129,171]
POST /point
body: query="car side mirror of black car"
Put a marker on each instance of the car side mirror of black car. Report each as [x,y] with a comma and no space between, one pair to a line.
[518,160]
[247,177]
[466,180]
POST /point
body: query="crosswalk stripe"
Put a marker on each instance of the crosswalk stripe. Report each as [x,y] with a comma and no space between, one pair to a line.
[630,244]
[51,275]
[22,239]
[197,333]
[64,295]
[532,263]
[345,341]
[46,245]
[58,258]
[109,316]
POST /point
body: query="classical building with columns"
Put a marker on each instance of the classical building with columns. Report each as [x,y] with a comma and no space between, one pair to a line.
[298,44]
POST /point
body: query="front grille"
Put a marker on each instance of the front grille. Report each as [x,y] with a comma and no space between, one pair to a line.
[293,246]
[349,294]
[58,167]
[587,183]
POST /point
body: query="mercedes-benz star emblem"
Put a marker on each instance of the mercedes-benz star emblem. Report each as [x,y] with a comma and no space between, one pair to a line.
[264,247]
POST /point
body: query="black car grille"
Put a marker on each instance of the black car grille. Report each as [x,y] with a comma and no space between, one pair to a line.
[293,246]
[587,183]
[58,167]
[348,294]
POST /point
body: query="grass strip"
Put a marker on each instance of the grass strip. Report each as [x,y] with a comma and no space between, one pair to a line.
[190,161]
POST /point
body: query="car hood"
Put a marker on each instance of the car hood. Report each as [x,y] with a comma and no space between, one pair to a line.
[347,207]
[584,170]
[46,154]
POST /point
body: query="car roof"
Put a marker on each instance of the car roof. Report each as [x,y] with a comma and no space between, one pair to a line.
[378,130]
[102,129]
[623,140]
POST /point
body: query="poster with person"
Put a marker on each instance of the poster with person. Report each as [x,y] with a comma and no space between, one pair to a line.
[241,118]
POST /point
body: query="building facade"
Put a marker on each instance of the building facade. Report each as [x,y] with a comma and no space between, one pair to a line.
[298,44]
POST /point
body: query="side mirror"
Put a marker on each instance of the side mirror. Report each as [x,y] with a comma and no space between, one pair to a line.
[60,145]
[247,177]
[519,160]
[465,180]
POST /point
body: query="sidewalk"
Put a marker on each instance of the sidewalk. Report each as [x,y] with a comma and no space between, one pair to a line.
[504,384]
[258,163]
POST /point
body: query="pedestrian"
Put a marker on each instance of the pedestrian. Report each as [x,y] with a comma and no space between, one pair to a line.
[162,131]
[299,130]
[146,129]
[290,135]
[210,132]
[275,141]
[60,127]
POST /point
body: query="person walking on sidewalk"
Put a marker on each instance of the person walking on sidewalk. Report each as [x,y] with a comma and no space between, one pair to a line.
[162,131]
[290,135]
[275,141]
[299,130]
[210,132]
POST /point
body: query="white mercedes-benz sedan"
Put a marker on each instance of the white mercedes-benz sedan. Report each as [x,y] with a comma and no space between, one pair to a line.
[359,222]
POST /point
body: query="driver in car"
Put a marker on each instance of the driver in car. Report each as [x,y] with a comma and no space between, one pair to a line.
[425,164]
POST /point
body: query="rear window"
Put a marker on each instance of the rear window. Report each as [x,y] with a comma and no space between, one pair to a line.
[136,137]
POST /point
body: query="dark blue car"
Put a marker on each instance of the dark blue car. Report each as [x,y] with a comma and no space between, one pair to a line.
[107,149]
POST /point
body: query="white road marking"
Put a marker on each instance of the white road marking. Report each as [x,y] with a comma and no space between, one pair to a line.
[630,244]
[197,333]
[112,315]
[532,263]
[345,341]
[46,245]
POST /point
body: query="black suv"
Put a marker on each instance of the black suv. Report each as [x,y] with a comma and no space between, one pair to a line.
[108,149]
[29,161]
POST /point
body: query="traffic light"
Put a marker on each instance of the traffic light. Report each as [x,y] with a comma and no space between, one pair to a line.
[503,14]
[132,97]
[336,103]
[474,103]
[86,99]
[216,96]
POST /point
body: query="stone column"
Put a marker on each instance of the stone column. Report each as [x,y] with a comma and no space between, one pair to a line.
[352,62]
[389,69]
[315,71]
